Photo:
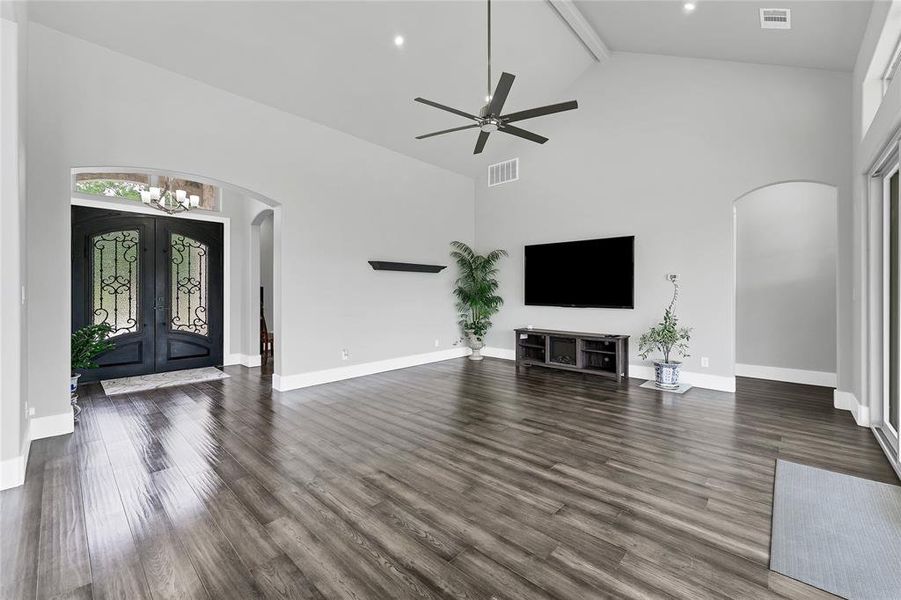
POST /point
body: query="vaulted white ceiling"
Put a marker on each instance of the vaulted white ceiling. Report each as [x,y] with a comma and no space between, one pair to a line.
[825,34]
[335,62]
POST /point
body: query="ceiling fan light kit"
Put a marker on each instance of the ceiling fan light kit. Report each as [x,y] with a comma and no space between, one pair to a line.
[490,119]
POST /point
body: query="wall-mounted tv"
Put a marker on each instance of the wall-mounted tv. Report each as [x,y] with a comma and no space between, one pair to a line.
[588,273]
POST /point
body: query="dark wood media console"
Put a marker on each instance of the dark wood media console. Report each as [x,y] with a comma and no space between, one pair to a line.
[590,353]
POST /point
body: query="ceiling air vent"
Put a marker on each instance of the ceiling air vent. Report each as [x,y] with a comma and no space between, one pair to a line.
[503,172]
[775,18]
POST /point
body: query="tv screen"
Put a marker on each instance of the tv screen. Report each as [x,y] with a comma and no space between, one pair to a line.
[588,273]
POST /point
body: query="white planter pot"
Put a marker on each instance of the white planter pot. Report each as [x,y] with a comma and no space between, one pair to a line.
[73,387]
[73,383]
[476,345]
[666,375]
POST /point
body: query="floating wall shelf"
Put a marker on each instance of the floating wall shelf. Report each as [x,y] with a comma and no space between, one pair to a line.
[382,265]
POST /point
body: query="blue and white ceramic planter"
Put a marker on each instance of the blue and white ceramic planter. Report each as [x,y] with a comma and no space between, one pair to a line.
[667,375]
[73,396]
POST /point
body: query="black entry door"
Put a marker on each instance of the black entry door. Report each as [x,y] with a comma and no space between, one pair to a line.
[157,281]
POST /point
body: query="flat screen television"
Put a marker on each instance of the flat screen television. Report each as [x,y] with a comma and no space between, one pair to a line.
[588,273]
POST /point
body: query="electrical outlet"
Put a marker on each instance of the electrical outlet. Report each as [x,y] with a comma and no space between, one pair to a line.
[705,362]
[345,354]
[31,411]
[672,276]
[437,343]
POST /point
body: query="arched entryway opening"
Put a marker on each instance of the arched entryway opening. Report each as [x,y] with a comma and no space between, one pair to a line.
[212,329]
[786,254]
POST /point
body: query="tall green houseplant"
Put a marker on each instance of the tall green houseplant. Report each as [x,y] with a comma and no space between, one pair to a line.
[670,339]
[87,344]
[476,292]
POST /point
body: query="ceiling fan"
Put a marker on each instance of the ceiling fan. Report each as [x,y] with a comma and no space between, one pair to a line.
[490,118]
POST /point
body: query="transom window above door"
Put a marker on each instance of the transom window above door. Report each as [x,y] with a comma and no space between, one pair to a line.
[128,186]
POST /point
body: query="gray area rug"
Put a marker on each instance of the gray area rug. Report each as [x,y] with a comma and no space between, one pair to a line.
[140,383]
[836,532]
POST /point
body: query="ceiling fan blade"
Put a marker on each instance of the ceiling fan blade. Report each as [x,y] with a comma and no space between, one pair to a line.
[428,135]
[480,143]
[528,135]
[500,93]
[539,112]
[447,108]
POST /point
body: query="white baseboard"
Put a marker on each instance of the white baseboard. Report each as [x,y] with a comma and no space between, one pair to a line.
[12,470]
[720,383]
[248,360]
[701,380]
[821,378]
[848,401]
[44,427]
[504,353]
[283,383]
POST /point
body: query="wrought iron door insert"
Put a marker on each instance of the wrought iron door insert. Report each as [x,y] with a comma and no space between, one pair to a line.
[156,281]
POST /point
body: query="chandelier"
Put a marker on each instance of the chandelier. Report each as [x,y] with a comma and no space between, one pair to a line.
[168,201]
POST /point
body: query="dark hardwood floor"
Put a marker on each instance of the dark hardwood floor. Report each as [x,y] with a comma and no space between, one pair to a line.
[451,480]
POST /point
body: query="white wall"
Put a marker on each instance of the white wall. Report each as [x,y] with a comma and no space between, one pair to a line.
[240,210]
[342,201]
[661,147]
[14,422]
[786,249]
[266,273]
[876,124]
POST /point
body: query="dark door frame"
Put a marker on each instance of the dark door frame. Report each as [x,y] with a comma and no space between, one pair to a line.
[155,227]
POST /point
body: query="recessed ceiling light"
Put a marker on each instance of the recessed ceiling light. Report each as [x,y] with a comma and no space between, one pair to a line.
[398,40]
[689,7]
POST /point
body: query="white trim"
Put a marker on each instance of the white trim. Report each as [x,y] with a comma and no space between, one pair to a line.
[582,29]
[53,425]
[248,360]
[822,378]
[700,380]
[848,401]
[504,353]
[12,470]
[721,383]
[283,383]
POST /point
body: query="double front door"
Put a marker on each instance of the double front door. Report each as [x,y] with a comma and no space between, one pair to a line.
[156,281]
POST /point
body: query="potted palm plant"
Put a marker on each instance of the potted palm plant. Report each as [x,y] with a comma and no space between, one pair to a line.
[670,339]
[476,293]
[88,343]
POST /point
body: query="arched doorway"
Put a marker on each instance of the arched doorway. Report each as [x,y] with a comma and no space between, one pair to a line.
[786,252]
[230,208]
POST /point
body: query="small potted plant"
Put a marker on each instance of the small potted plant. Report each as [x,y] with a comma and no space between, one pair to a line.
[88,343]
[670,339]
[476,293]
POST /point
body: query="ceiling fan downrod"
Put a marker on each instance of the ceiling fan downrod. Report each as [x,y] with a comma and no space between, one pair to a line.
[490,118]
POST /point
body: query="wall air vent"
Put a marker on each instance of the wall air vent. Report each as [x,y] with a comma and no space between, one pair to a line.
[503,172]
[775,18]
